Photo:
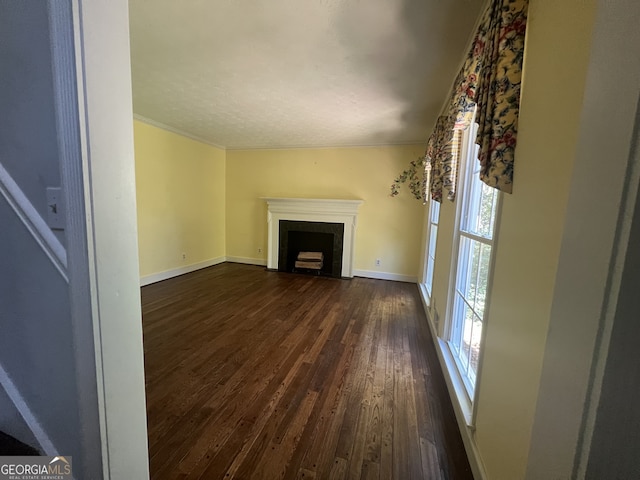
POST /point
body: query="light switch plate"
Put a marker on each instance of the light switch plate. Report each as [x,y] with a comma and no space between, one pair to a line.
[55,208]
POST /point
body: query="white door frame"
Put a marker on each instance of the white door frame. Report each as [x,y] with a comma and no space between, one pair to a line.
[92,84]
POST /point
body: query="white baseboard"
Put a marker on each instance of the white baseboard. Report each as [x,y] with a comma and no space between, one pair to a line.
[462,417]
[45,443]
[249,261]
[385,276]
[158,277]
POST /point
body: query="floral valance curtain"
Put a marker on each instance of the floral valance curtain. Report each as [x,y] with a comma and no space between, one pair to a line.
[436,170]
[442,157]
[488,82]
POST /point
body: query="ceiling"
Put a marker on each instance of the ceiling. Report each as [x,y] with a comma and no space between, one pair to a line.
[297,73]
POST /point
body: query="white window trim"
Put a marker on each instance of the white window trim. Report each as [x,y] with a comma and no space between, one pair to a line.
[468,404]
[426,246]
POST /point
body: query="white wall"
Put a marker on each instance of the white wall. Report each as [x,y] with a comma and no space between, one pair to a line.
[111,234]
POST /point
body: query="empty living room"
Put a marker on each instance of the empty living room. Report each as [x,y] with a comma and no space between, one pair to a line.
[394,239]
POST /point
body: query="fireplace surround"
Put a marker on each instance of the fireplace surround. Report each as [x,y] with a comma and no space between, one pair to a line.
[329,211]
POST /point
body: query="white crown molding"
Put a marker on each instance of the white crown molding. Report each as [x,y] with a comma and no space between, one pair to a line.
[416,143]
[183,133]
[177,131]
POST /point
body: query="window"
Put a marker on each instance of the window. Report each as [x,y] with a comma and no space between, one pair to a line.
[471,264]
[432,234]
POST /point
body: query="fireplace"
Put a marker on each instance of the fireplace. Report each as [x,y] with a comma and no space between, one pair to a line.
[331,221]
[320,237]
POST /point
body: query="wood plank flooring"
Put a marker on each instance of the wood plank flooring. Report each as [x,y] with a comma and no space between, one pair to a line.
[253,374]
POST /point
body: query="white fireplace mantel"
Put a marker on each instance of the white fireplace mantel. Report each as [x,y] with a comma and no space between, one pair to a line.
[343,211]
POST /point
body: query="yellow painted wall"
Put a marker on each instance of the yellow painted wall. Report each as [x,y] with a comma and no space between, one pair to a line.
[181,200]
[530,231]
[388,228]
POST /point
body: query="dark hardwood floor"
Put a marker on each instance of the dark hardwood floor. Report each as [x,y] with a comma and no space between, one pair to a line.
[254,374]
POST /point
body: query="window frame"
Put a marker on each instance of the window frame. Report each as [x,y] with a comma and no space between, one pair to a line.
[469,392]
[427,280]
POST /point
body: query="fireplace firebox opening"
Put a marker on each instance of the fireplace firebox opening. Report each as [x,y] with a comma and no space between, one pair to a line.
[297,236]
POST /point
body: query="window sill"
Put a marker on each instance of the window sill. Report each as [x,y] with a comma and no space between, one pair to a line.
[424,293]
[457,389]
